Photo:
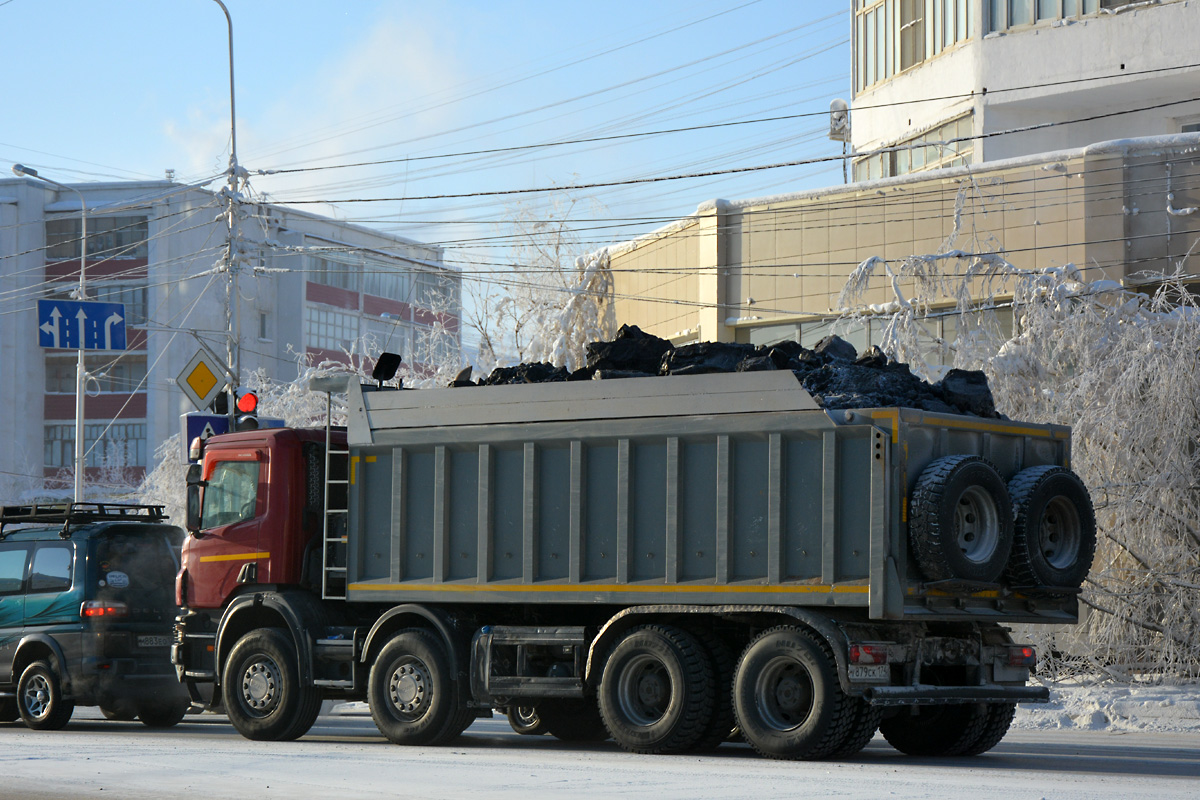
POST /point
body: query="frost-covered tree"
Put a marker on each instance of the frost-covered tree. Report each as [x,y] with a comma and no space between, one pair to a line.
[549,299]
[1122,368]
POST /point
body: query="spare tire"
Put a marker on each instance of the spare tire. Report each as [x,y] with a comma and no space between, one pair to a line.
[961,521]
[1054,528]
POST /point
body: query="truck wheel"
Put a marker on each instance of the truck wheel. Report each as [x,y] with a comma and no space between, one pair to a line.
[947,730]
[572,720]
[722,725]
[40,699]
[862,729]
[411,691]
[163,714]
[525,720]
[656,690]
[999,718]
[961,522]
[1054,531]
[787,698]
[261,689]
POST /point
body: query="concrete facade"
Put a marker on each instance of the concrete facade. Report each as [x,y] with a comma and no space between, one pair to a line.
[308,288]
[772,268]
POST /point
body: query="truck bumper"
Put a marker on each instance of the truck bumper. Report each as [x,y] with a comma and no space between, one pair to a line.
[924,695]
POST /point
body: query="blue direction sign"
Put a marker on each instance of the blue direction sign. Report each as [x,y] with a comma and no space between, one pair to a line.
[75,325]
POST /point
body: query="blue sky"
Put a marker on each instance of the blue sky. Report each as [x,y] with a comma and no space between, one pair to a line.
[125,89]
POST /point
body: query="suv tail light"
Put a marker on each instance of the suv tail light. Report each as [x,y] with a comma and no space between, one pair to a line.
[868,654]
[102,608]
[1022,656]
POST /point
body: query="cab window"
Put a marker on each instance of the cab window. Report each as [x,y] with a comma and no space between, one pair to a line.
[231,494]
[51,571]
[12,569]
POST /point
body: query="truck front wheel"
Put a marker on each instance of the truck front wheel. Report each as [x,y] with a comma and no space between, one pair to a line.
[262,691]
[412,692]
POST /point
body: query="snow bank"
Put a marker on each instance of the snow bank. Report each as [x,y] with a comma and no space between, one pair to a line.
[1115,707]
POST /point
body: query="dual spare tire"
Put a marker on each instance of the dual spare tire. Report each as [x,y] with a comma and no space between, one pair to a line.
[966,524]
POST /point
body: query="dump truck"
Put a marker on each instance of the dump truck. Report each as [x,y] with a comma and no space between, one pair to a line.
[668,561]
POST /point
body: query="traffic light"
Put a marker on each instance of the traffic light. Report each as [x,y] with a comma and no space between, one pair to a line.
[247,406]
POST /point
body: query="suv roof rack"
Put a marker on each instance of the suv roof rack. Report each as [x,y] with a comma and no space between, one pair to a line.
[77,514]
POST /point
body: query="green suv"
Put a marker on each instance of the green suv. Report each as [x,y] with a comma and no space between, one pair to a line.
[87,603]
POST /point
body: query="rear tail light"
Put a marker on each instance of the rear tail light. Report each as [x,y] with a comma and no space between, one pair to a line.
[1022,656]
[104,608]
[868,654]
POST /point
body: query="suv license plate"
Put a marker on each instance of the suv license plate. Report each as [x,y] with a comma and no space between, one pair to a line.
[154,641]
[869,672]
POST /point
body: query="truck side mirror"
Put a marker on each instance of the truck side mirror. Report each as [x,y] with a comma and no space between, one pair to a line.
[194,485]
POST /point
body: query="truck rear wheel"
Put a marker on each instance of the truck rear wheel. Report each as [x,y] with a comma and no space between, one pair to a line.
[787,698]
[1054,528]
[656,690]
[862,729]
[261,689]
[961,524]
[723,723]
[947,730]
[999,718]
[412,692]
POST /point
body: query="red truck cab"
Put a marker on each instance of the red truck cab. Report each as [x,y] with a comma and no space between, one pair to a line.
[260,500]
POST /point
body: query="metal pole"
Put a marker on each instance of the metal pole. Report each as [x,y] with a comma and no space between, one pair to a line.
[233,317]
[80,369]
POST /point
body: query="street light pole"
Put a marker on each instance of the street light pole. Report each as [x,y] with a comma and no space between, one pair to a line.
[81,294]
[233,317]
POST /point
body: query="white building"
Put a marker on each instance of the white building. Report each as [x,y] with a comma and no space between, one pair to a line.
[309,287]
[932,71]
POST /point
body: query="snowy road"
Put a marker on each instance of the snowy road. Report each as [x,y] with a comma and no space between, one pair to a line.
[344,757]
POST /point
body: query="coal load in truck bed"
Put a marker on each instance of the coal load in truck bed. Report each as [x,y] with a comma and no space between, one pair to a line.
[832,372]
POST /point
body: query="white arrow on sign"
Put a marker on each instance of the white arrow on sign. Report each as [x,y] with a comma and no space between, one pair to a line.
[108,323]
[81,316]
[51,327]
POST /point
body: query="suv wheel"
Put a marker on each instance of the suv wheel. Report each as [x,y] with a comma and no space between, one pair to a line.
[40,700]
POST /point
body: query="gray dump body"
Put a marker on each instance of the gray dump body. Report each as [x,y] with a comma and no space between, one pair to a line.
[714,489]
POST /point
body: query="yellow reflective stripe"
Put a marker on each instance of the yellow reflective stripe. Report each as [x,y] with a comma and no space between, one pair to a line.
[622,587]
[354,463]
[894,415]
[237,557]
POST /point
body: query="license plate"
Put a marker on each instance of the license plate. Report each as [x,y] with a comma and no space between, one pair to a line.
[869,672]
[154,641]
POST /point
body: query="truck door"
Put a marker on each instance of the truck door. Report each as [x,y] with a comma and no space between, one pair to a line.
[13,557]
[227,553]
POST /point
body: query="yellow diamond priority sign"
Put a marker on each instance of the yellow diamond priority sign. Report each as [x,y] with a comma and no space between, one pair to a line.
[201,380]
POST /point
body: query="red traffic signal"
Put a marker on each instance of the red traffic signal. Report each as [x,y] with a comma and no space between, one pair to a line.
[247,403]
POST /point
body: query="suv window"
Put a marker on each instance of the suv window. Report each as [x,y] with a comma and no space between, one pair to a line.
[231,494]
[51,570]
[12,569]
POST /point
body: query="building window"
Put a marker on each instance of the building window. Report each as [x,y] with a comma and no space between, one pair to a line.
[891,36]
[264,330]
[948,145]
[1190,127]
[123,444]
[326,329]
[108,237]
[1004,14]
[119,374]
[133,295]
[333,270]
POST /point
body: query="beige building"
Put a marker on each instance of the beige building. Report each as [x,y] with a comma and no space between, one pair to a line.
[771,268]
